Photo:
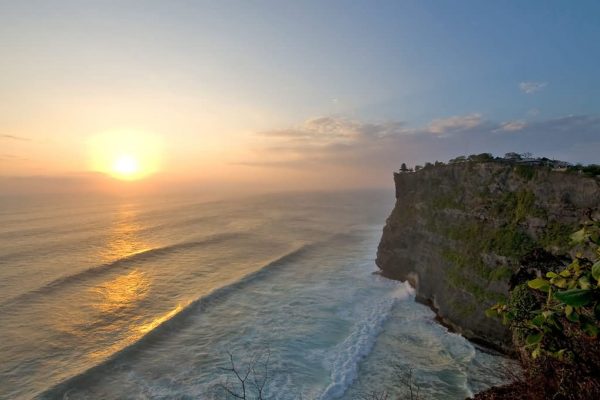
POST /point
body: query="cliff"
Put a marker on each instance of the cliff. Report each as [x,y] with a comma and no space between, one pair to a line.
[458,232]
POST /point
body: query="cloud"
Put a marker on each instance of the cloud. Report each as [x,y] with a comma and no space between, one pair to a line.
[513,126]
[330,129]
[11,157]
[456,123]
[532,87]
[13,137]
[375,149]
[322,128]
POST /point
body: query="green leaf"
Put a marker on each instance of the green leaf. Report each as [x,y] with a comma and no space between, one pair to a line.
[560,354]
[573,317]
[539,284]
[507,317]
[534,338]
[596,271]
[538,320]
[551,274]
[560,283]
[590,329]
[575,297]
[578,236]
[536,352]
[584,282]
[565,273]
[568,310]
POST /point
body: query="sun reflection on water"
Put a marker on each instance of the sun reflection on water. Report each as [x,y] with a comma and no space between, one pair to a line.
[124,301]
[147,327]
[124,238]
[134,333]
[122,292]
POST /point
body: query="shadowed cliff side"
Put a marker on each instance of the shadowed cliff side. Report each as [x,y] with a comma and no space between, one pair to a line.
[458,232]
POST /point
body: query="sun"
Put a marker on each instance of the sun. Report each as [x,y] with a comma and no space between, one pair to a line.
[125,155]
[126,167]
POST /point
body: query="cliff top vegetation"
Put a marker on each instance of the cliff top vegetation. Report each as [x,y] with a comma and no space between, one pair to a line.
[523,160]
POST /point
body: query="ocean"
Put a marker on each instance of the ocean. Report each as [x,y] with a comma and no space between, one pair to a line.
[129,298]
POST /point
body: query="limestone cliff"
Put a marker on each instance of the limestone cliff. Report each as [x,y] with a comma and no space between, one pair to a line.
[458,231]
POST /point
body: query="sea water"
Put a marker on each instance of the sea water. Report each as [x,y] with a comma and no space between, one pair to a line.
[112,298]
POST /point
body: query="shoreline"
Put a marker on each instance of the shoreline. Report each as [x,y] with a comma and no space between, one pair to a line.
[482,344]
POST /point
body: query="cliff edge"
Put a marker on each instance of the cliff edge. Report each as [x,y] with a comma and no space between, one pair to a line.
[458,232]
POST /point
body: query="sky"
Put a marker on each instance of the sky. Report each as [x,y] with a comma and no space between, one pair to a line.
[288,94]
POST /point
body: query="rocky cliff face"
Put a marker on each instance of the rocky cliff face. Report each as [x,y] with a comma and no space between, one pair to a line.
[457,233]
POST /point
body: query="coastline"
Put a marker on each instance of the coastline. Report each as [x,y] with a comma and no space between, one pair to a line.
[482,344]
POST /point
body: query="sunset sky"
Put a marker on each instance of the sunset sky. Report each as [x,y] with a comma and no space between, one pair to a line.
[290,94]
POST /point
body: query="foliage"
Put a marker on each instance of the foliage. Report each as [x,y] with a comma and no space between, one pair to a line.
[525,205]
[525,164]
[556,234]
[459,159]
[570,299]
[511,241]
[483,157]
[526,172]
[501,274]
[515,206]
[591,170]
[513,156]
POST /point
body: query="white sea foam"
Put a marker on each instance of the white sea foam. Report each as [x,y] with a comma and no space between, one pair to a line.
[347,356]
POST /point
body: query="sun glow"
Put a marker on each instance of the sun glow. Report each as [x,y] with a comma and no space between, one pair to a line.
[125,155]
[126,167]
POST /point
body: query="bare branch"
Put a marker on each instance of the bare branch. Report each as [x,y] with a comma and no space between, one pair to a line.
[251,379]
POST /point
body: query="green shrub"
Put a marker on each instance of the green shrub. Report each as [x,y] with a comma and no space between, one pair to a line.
[572,296]
[511,241]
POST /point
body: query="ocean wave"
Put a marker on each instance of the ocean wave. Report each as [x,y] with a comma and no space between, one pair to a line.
[74,236]
[360,342]
[463,353]
[174,324]
[104,268]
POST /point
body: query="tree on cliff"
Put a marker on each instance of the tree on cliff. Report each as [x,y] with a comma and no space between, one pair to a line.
[403,168]
[483,157]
